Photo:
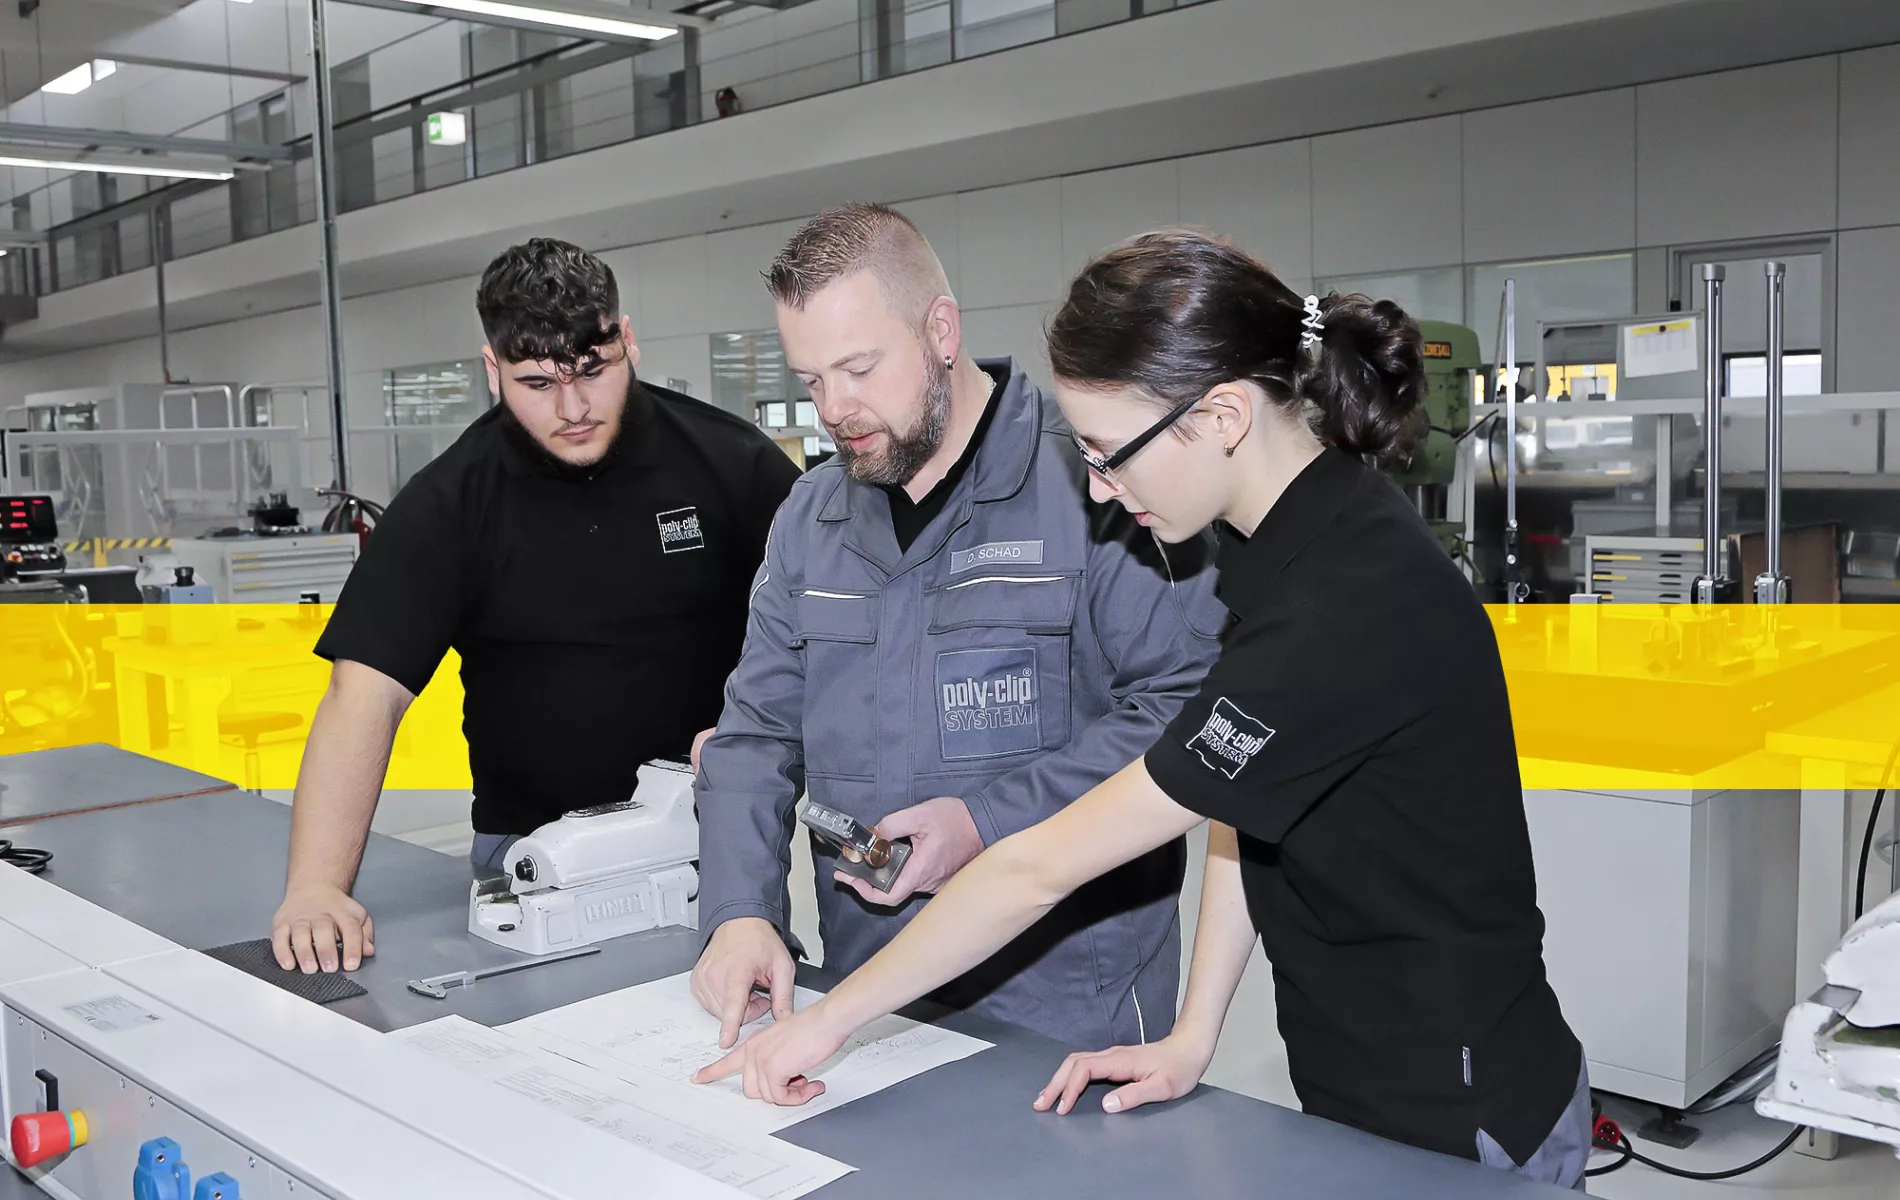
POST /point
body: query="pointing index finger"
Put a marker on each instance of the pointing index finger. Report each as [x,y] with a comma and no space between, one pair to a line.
[731,1064]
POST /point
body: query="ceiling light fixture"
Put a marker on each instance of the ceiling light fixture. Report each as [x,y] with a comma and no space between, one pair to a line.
[575,16]
[156,169]
[80,77]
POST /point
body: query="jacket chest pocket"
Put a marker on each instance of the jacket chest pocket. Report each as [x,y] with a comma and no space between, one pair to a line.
[997,658]
[836,631]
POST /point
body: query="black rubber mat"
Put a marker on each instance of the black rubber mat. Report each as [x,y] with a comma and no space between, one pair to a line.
[255,958]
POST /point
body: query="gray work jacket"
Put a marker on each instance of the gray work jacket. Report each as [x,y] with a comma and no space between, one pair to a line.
[1028,645]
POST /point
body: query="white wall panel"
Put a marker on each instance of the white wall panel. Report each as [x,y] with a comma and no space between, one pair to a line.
[1870,137]
[1556,177]
[1740,154]
[1010,243]
[1261,197]
[735,294]
[672,281]
[1016,331]
[1103,208]
[936,218]
[1868,354]
[1388,198]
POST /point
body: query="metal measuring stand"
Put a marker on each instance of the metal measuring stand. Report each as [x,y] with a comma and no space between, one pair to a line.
[1771,586]
[1712,586]
[1517,588]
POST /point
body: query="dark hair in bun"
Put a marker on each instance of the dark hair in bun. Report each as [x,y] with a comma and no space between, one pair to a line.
[1175,314]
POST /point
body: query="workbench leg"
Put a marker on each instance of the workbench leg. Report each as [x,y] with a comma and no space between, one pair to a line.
[200,698]
[1823,909]
[135,715]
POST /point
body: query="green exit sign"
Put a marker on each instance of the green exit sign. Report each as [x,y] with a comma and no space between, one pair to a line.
[446,129]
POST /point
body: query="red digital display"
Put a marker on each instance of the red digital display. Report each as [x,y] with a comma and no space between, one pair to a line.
[27,519]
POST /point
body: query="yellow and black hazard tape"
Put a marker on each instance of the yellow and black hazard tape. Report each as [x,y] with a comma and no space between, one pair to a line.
[143,543]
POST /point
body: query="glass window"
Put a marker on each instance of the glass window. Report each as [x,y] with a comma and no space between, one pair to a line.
[1560,289]
[985,26]
[1432,295]
[429,406]
[750,378]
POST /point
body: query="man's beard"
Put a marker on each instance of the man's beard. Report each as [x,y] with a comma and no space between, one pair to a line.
[532,448]
[905,454]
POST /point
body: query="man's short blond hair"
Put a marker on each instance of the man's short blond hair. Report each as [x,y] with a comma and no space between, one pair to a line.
[860,237]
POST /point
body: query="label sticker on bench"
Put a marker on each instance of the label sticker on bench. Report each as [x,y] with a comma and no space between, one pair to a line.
[113,1014]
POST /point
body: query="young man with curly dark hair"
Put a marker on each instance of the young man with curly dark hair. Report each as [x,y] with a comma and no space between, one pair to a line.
[587,546]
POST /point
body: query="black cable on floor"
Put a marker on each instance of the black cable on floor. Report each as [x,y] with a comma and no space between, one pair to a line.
[27,859]
[1622,1145]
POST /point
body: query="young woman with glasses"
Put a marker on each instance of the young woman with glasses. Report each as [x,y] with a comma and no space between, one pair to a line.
[1352,747]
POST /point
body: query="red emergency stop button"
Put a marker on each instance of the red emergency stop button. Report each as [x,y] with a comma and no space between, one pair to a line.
[40,1136]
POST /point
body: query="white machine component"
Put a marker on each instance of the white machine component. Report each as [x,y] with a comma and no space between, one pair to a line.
[1839,1066]
[598,873]
[254,569]
[228,1075]
[1670,929]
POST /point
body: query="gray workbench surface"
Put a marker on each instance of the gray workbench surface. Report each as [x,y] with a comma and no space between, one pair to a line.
[208,870]
[76,779]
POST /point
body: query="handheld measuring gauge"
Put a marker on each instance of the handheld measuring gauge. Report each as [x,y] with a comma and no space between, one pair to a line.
[861,852]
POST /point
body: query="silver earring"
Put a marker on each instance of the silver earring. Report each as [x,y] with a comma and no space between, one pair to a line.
[1230,451]
[949,360]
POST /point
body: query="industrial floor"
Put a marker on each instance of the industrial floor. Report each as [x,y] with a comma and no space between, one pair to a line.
[1252,1060]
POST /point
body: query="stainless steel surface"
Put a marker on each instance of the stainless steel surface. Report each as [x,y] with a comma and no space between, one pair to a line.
[436,987]
[1508,374]
[159,217]
[960,1131]
[323,166]
[74,779]
[1709,587]
[1771,586]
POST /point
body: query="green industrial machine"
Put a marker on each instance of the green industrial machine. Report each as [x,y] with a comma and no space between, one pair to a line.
[1451,362]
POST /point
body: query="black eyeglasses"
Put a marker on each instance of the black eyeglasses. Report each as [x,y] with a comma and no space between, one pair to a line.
[1106,466]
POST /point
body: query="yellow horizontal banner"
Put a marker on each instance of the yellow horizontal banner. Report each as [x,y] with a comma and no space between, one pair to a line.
[1607,697]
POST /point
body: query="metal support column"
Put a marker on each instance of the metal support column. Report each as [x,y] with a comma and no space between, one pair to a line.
[689,73]
[1517,588]
[1712,586]
[160,216]
[1771,586]
[323,163]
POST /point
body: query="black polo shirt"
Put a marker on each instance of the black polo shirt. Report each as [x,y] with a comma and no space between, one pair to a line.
[1356,733]
[597,618]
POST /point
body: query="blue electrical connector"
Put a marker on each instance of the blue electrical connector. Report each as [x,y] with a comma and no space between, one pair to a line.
[216,1187]
[161,1173]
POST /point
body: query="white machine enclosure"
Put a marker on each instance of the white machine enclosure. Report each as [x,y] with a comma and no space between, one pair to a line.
[1839,1066]
[290,1099]
[1670,929]
[598,873]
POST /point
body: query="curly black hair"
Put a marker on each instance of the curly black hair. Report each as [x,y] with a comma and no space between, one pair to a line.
[548,300]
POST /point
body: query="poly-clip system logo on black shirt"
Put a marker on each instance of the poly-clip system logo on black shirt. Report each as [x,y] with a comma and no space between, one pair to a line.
[1229,739]
[679,530]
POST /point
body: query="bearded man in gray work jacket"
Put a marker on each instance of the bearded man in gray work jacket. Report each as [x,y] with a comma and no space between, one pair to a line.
[948,641]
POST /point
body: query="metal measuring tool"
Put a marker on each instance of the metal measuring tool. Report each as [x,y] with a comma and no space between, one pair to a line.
[861,852]
[436,987]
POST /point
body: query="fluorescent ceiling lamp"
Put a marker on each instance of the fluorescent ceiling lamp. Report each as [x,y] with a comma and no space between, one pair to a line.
[80,77]
[72,82]
[156,168]
[582,18]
